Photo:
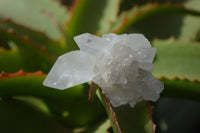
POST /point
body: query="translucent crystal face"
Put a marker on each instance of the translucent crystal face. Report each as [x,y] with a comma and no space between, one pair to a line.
[120,64]
[71,69]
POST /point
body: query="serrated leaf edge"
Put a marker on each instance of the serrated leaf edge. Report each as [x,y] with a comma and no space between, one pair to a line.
[130,20]
[21,73]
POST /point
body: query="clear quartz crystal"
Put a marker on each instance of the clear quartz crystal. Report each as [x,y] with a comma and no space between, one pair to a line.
[71,69]
[120,64]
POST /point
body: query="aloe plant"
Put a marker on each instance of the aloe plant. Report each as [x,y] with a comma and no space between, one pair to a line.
[34,33]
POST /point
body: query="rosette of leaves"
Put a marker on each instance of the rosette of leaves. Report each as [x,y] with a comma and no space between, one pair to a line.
[34,33]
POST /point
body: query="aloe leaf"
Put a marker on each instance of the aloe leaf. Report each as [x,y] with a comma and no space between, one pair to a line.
[28,84]
[34,102]
[177,58]
[17,116]
[101,127]
[128,4]
[109,16]
[47,15]
[87,15]
[39,38]
[137,14]
[70,106]
[32,53]
[159,25]
[76,111]
[191,27]
[10,58]
[137,119]
[127,119]
[90,16]
[181,88]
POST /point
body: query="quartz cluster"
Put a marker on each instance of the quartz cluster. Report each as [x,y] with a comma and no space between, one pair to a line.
[120,64]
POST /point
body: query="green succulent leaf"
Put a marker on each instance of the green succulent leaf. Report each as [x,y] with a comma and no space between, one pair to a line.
[109,16]
[177,58]
[70,106]
[126,119]
[128,4]
[101,127]
[139,13]
[137,119]
[181,88]
[99,20]
[39,38]
[191,24]
[90,16]
[10,58]
[47,15]
[183,26]
[33,54]
[17,116]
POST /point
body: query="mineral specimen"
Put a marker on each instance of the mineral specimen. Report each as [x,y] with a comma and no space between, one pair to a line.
[120,64]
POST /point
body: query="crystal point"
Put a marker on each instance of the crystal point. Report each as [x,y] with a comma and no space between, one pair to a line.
[90,43]
[70,69]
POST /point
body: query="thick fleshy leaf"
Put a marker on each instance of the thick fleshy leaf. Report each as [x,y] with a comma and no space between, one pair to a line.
[109,16]
[181,88]
[37,37]
[16,84]
[127,119]
[33,54]
[92,17]
[191,24]
[177,58]
[76,111]
[47,15]
[70,106]
[83,20]
[101,127]
[71,69]
[138,13]
[137,119]
[10,58]
[128,4]
[17,116]
[155,26]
